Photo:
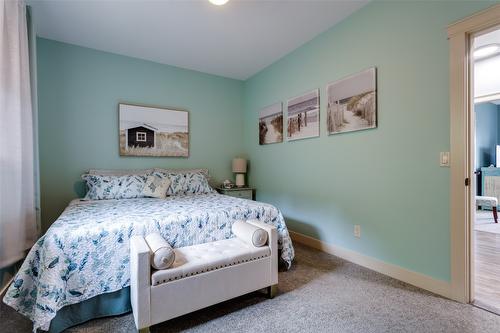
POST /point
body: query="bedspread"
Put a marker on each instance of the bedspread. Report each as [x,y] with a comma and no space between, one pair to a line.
[85,252]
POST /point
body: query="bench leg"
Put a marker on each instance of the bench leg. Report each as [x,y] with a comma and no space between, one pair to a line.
[144,330]
[272,291]
[495,214]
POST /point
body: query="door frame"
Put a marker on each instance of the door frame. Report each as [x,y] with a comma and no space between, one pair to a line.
[462,149]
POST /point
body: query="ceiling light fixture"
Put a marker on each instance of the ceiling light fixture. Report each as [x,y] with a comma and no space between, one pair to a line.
[486,51]
[218,2]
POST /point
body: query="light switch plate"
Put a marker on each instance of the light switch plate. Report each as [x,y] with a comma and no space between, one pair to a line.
[357,231]
[444,159]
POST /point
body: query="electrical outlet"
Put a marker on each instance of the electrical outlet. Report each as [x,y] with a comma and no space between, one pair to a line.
[357,231]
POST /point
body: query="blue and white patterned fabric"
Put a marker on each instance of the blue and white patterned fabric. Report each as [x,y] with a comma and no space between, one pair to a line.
[177,183]
[196,183]
[187,183]
[114,187]
[85,252]
[156,186]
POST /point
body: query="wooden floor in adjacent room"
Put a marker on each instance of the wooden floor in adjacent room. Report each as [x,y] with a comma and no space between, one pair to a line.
[487,262]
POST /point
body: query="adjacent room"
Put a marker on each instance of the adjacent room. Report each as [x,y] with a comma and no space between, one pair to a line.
[249,166]
[487,162]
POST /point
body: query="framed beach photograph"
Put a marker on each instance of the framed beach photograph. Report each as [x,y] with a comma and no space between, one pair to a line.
[153,131]
[303,116]
[271,124]
[352,103]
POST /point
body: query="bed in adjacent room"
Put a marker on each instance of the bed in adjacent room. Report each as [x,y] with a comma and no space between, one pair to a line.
[83,258]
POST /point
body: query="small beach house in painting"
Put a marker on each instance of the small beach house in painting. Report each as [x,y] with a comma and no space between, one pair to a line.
[141,136]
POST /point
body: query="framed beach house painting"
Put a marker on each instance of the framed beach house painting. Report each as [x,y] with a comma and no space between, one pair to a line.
[352,103]
[153,131]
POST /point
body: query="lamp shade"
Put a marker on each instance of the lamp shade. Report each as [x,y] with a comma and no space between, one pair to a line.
[239,165]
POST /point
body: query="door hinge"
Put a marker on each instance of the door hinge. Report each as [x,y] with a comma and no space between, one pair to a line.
[467,181]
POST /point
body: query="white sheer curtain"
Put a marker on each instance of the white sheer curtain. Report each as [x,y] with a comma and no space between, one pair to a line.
[18,227]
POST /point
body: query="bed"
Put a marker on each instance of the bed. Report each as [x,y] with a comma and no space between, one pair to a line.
[85,253]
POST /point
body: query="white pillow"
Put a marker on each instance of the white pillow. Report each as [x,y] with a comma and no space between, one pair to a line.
[162,254]
[249,233]
[156,186]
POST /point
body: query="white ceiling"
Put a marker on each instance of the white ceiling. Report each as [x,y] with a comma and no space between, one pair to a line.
[486,78]
[492,37]
[235,40]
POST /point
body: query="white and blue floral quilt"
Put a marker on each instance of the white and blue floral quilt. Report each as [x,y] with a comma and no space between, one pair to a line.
[85,252]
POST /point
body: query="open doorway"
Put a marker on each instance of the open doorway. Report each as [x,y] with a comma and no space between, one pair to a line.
[486,227]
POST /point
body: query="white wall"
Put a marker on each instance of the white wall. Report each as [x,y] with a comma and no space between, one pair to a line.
[487,76]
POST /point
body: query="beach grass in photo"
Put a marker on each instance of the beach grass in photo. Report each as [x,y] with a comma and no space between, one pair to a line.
[271,124]
[352,103]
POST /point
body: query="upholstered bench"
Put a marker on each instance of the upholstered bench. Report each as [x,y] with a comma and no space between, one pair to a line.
[488,201]
[200,276]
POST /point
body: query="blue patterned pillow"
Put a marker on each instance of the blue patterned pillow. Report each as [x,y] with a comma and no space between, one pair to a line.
[177,183]
[196,183]
[114,187]
[186,183]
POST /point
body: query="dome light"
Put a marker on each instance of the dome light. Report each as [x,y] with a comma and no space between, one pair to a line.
[218,2]
[486,51]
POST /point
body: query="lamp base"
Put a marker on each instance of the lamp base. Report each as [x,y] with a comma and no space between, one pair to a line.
[240,179]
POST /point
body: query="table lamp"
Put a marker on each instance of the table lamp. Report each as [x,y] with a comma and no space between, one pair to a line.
[240,168]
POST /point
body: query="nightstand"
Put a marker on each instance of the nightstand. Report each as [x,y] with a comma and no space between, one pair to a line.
[237,192]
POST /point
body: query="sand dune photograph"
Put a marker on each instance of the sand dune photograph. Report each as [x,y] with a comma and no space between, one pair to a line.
[352,103]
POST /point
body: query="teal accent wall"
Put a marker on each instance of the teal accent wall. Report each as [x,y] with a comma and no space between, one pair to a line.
[487,126]
[78,93]
[388,179]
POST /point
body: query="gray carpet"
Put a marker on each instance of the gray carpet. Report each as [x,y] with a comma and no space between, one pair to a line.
[321,293]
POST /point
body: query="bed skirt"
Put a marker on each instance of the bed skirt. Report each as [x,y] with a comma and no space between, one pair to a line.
[110,304]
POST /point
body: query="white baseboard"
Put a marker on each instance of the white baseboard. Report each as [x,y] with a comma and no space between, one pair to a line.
[436,286]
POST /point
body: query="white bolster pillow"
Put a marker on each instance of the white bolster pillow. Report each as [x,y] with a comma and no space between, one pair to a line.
[249,233]
[162,256]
